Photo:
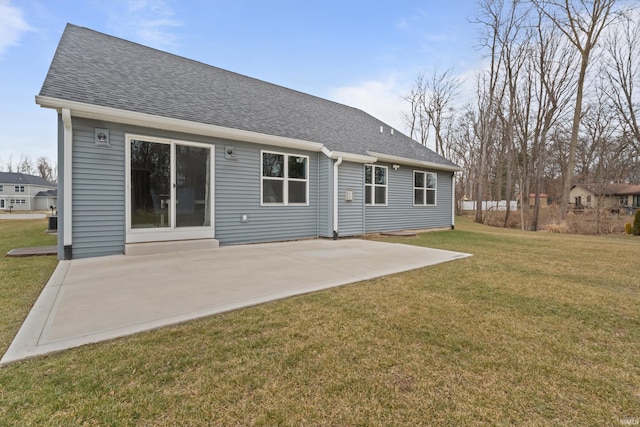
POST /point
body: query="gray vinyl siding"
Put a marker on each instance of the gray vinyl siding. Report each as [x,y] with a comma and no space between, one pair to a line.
[325,199]
[238,193]
[350,214]
[98,192]
[400,214]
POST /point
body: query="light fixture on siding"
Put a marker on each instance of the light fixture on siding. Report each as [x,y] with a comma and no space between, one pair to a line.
[396,167]
[230,152]
[102,137]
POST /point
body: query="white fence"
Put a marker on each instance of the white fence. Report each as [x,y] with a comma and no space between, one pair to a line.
[496,205]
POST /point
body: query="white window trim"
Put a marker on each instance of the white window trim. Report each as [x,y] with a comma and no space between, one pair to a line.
[139,235]
[373,185]
[285,179]
[425,189]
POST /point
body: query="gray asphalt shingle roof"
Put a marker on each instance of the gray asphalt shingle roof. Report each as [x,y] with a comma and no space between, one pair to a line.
[23,179]
[95,68]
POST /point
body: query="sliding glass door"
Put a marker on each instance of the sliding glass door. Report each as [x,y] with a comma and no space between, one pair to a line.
[169,188]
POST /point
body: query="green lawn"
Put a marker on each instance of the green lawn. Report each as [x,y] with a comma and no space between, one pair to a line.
[534,329]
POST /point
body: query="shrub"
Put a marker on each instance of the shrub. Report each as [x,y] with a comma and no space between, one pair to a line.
[558,228]
[628,228]
[636,224]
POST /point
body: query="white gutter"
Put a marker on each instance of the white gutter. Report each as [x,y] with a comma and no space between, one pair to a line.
[97,112]
[413,162]
[335,197]
[349,157]
[67,156]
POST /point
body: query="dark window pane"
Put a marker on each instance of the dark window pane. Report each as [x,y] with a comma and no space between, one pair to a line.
[431,197]
[381,176]
[381,195]
[297,167]
[273,165]
[431,180]
[419,179]
[367,175]
[418,197]
[297,192]
[272,191]
[150,184]
[192,186]
[367,194]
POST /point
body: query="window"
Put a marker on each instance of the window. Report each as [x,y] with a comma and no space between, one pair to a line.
[1,188]
[19,189]
[424,188]
[636,201]
[284,179]
[375,185]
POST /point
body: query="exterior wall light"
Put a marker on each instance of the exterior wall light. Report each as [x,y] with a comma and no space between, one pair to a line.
[102,137]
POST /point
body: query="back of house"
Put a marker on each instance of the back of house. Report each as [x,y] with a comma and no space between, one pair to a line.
[159,151]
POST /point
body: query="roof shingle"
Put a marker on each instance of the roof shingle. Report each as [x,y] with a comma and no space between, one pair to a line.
[95,68]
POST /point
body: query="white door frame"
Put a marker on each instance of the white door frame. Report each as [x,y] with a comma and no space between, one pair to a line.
[138,235]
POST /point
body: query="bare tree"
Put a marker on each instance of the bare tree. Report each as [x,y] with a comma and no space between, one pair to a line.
[622,71]
[432,106]
[9,165]
[582,22]
[415,120]
[25,165]
[45,170]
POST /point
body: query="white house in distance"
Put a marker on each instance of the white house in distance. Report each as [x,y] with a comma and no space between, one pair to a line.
[158,151]
[21,192]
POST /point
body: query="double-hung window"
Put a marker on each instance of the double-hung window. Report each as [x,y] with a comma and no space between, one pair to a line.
[19,189]
[424,188]
[285,179]
[375,185]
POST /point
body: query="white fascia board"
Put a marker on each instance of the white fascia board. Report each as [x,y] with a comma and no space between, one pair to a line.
[413,162]
[89,111]
[348,157]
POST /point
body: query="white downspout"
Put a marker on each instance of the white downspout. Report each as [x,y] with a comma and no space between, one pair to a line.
[453,200]
[67,157]
[335,197]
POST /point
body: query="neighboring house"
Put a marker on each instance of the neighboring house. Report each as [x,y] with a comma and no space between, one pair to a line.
[154,147]
[613,196]
[21,192]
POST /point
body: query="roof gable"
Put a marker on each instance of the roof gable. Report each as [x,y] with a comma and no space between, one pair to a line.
[98,69]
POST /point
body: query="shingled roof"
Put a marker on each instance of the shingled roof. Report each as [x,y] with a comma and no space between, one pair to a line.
[94,68]
[23,179]
[611,189]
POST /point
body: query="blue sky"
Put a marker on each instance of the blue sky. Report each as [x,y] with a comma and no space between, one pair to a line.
[361,53]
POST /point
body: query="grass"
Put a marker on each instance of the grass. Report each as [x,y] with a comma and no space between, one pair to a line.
[535,329]
[21,279]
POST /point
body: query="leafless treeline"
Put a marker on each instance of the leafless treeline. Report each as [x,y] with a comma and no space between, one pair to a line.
[554,104]
[25,165]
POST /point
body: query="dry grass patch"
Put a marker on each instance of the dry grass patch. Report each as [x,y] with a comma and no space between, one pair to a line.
[21,279]
[535,329]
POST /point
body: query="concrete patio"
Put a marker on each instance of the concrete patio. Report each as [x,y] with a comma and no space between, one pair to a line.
[96,299]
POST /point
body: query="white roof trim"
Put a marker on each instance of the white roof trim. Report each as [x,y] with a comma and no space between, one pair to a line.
[89,111]
[348,157]
[413,162]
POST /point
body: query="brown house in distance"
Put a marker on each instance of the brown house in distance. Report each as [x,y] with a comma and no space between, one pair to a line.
[625,198]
